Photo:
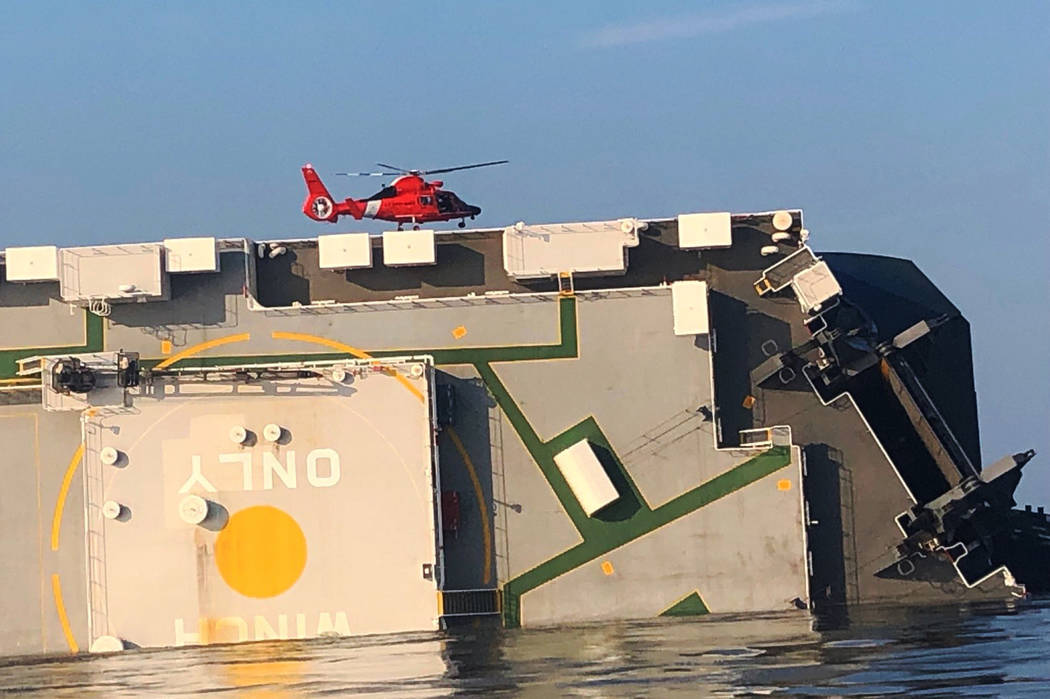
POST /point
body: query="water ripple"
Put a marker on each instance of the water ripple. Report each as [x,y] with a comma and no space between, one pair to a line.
[968,650]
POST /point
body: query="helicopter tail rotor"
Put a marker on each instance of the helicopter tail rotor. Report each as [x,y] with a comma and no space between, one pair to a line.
[319,204]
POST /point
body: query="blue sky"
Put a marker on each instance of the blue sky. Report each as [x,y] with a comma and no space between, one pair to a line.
[911,129]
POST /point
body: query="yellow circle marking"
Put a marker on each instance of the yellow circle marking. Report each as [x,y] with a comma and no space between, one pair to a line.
[261,551]
[783,484]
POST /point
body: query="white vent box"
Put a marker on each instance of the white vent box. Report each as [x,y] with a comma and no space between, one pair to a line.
[689,304]
[344,251]
[403,248]
[38,263]
[191,255]
[705,231]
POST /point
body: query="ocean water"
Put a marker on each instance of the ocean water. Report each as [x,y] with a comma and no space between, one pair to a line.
[971,650]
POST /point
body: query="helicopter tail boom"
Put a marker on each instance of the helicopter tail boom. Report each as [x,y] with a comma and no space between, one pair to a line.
[319,204]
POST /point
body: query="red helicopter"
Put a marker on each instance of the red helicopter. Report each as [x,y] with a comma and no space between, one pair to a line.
[408,199]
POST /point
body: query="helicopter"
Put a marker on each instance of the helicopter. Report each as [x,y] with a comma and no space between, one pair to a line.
[407,199]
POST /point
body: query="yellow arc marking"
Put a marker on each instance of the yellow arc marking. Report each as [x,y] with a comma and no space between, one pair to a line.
[56,588]
[56,521]
[203,346]
[485,533]
[317,340]
[353,351]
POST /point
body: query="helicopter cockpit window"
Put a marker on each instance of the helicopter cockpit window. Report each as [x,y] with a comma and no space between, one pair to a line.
[425,201]
[384,193]
[446,202]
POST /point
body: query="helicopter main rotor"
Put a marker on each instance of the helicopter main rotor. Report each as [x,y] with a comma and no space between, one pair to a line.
[402,171]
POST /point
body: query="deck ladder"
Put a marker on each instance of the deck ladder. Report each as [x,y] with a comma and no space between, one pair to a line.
[565,284]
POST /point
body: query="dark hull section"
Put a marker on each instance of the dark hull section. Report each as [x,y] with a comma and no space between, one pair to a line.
[899,352]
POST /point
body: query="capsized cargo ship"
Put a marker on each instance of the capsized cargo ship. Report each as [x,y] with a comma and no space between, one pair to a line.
[225,440]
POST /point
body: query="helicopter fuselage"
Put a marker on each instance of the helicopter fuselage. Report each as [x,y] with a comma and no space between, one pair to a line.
[407,199]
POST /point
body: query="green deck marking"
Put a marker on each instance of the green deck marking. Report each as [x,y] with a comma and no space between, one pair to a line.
[566,348]
[93,343]
[539,450]
[612,535]
[691,605]
[622,522]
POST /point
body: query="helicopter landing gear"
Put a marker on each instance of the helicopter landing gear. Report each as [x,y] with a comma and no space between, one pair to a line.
[462,224]
[415,227]
[399,226]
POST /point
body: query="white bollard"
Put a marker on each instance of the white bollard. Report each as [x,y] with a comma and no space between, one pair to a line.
[782,220]
[272,432]
[238,435]
[107,644]
[193,509]
[111,509]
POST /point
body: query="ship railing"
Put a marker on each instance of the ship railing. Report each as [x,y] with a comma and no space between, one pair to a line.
[766,437]
[414,302]
[501,506]
[398,304]
[627,292]
[19,391]
[30,366]
[94,497]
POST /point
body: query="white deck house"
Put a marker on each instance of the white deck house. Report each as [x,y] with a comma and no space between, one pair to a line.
[586,477]
[543,251]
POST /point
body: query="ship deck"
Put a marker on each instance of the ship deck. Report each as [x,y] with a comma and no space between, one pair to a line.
[349,554]
[467,263]
[703,523]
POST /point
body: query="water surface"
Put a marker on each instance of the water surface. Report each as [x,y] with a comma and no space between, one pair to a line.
[985,650]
